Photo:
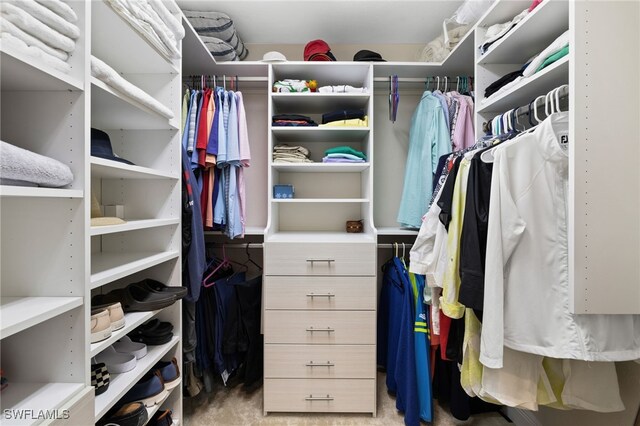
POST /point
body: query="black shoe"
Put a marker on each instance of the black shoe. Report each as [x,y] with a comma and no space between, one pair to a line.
[135,299]
[158,287]
[153,333]
[132,414]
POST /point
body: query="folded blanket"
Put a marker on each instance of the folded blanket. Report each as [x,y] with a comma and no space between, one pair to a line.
[217,25]
[174,24]
[18,164]
[29,40]
[104,72]
[34,52]
[149,25]
[47,17]
[61,9]
[31,25]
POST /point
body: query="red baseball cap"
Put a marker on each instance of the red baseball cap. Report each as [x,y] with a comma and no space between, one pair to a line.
[318,50]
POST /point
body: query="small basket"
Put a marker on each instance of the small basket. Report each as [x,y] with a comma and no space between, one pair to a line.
[355,226]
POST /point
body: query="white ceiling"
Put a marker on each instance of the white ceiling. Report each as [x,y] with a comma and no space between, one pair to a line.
[335,21]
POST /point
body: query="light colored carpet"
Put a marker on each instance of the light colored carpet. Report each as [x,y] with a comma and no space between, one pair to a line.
[237,407]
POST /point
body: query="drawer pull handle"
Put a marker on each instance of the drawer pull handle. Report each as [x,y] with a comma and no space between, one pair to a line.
[328,329]
[328,364]
[319,398]
[329,295]
[329,261]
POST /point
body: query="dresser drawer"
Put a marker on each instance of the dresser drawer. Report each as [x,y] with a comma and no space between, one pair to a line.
[320,361]
[320,259]
[320,395]
[357,293]
[320,327]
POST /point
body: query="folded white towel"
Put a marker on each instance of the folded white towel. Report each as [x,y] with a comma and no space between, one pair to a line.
[21,165]
[31,25]
[47,17]
[8,27]
[105,73]
[136,13]
[174,24]
[34,52]
[61,9]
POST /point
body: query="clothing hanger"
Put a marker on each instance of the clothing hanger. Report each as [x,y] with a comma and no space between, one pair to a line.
[246,250]
[535,108]
[225,262]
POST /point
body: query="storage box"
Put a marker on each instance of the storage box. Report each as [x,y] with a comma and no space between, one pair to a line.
[283,191]
[114,210]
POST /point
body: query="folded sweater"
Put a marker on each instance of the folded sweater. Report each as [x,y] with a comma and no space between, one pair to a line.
[345,150]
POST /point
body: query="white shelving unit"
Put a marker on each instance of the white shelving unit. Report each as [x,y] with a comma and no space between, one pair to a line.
[42,264]
[148,244]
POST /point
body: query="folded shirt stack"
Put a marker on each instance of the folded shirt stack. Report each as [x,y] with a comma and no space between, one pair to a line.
[291,86]
[345,118]
[343,88]
[45,31]
[343,154]
[292,120]
[290,154]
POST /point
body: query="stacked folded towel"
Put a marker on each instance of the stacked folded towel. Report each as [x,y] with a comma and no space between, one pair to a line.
[290,154]
[42,29]
[154,20]
[344,154]
[25,168]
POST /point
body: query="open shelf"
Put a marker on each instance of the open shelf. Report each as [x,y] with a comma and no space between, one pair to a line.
[321,167]
[132,320]
[109,169]
[121,383]
[38,192]
[133,225]
[110,34]
[20,313]
[459,62]
[109,266]
[529,88]
[35,397]
[396,231]
[113,110]
[249,230]
[322,134]
[312,102]
[526,39]
[503,11]
[22,72]
[320,237]
[320,200]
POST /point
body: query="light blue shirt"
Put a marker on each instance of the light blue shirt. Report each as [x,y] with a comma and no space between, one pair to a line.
[429,139]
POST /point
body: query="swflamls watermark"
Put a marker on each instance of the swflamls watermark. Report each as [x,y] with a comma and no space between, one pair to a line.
[24,414]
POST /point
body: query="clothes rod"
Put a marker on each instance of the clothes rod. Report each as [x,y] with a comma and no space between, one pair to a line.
[260,245]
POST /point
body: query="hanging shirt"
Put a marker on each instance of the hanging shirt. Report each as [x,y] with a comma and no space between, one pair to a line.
[445,107]
[428,140]
[234,225]
[193,115]
[245,159]
[463,133]
[526,304]
[422,348]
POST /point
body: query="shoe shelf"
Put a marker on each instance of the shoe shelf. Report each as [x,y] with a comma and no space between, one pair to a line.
[152,410]
[22,72]
[19,313]
[133,225]
[131,321]
[107,169]
[34,397]
[121,383]
[25,191]
[321,167]
[113,110]
[110,266]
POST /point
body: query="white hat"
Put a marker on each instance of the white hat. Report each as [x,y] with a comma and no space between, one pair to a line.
[274,57]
